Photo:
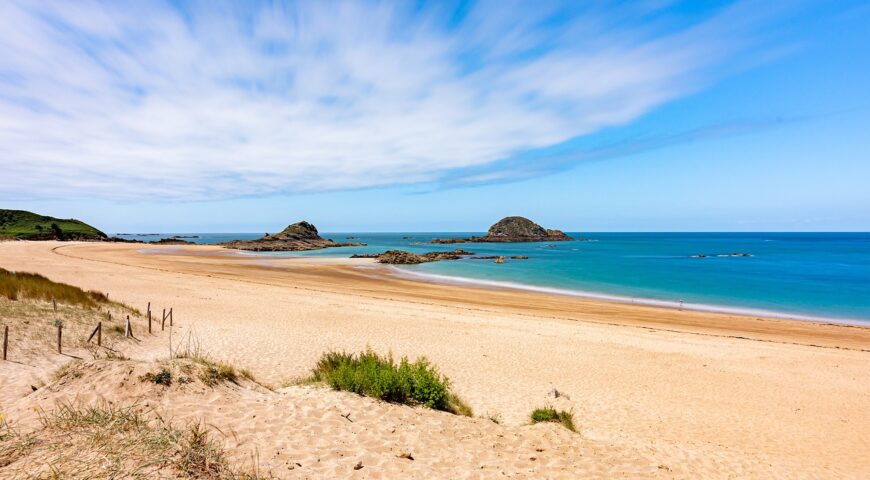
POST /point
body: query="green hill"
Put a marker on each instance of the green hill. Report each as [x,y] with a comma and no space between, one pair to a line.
[30,226]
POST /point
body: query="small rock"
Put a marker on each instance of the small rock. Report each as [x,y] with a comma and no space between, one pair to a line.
[406,455]
[358,466]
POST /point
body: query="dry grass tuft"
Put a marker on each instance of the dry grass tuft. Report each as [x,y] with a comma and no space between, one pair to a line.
[494,418]
[213,371]
[107,441]
[65,369]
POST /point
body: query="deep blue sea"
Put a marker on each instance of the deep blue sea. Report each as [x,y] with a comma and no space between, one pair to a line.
[813,275]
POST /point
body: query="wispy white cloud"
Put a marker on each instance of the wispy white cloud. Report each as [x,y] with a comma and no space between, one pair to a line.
[145,100]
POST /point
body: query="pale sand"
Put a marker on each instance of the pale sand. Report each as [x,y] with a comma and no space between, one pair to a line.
[702,395]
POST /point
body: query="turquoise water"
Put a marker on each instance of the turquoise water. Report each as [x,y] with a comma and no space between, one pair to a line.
[824,275]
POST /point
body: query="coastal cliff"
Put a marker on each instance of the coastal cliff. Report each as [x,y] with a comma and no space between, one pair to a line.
[296,237]
[513,229]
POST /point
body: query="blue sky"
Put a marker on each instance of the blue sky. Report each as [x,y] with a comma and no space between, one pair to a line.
[363,116]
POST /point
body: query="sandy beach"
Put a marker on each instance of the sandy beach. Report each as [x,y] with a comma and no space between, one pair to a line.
[655,392]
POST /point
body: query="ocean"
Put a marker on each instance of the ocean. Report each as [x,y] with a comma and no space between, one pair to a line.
[800,275]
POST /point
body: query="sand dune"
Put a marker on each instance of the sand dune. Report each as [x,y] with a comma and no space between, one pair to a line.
[305,431]
[655,392]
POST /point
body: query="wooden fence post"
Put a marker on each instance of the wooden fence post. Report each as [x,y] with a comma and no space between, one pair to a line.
[163,321]
[170,316]
[149,317]
[128,330]
[59,337]
[54,302]
[5,340]
[99,333]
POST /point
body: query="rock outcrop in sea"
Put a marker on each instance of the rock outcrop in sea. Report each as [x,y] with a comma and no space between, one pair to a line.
[513,229]
[172,241]
[296,237]
[736,254]
[402,257]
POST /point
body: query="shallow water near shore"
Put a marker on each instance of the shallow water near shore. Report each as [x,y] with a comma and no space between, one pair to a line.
[818,275]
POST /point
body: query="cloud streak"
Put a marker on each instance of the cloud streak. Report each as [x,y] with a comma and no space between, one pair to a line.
[148,100]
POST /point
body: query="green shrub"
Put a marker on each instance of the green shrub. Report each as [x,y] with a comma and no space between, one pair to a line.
[380,377]
[550,414]
[163,377]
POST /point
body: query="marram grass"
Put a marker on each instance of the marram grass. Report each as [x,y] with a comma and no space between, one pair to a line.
[373,375]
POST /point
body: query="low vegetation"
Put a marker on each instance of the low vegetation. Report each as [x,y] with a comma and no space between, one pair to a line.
[213,372]
[163,377]
[217,372]
[112,442]
[373,375]
[66,369]
[32,286]
[550,414]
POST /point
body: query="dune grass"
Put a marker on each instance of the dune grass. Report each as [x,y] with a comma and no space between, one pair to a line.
[373,375]
[65,369]
[213,372]
[32,286]
[108,441]
[217,372]
[550,414]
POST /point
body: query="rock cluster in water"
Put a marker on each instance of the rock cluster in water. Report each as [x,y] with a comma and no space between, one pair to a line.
[172,241]
[513,229]
[401,257]
[296,237]
[176,240]
[737,254]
